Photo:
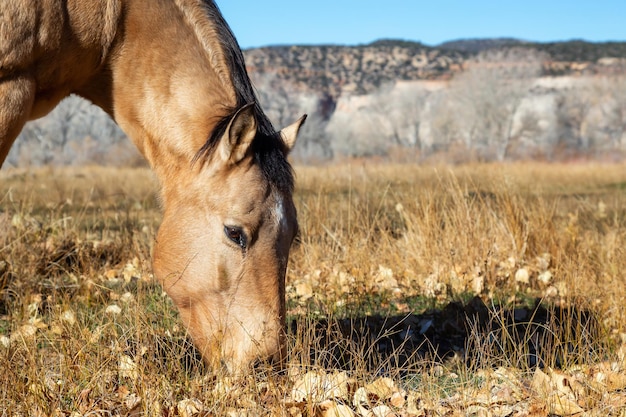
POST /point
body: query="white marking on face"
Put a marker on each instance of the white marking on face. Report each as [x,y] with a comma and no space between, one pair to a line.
[278,213]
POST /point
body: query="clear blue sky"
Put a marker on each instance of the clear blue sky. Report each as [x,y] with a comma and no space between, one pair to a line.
[352,22]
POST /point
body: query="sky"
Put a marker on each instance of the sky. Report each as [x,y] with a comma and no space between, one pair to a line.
[352,22]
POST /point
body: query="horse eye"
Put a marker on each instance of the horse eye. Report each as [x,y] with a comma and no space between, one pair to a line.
[236,235]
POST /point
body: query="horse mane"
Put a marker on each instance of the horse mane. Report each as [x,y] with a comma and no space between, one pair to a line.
[267,147]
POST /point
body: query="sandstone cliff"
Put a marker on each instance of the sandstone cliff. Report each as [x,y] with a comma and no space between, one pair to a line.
[362,69]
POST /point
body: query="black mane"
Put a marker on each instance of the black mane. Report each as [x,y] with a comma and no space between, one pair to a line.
[268,147]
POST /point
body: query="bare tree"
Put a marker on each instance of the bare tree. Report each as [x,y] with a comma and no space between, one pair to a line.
[284,103]
[397,113]
[487,95]
[612,104]
[373,124]
[591,116]
[573,107]
[75,132]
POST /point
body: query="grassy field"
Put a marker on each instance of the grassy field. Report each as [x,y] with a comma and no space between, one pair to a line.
[483,290]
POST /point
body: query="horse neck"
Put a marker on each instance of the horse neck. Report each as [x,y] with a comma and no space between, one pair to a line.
[170,86]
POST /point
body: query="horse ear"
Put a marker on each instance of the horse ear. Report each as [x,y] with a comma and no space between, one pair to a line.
[239,134]
[290,133]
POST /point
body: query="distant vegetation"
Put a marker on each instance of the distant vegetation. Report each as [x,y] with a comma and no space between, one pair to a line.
[475,99]
[580,51]
[575,50]
[474,46]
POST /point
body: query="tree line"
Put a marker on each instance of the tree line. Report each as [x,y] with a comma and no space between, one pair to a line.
[500,107]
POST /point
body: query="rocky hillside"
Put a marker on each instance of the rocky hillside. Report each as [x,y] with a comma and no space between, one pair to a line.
[358,69]
[362,69]
[488,98]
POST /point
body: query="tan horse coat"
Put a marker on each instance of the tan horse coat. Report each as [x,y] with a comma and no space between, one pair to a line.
[169,73]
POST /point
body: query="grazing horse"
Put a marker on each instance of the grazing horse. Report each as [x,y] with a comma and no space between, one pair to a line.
[172,75]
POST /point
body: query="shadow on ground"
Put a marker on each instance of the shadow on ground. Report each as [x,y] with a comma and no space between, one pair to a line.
[472,332]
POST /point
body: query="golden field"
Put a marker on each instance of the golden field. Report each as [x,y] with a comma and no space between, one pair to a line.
[483,290]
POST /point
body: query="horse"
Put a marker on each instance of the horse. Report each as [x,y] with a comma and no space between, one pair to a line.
[173,77]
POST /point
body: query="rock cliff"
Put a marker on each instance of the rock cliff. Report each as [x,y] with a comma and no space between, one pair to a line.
[334,70]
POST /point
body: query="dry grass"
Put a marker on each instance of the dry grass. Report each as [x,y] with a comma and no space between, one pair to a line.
[454,283]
